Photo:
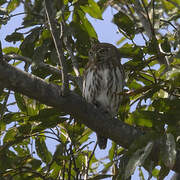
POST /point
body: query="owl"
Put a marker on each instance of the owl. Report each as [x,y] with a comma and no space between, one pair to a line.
[103,80]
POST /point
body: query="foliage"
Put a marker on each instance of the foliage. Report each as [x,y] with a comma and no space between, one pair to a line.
[153,84]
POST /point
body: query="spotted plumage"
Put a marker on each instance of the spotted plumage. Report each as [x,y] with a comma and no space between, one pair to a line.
[103,81]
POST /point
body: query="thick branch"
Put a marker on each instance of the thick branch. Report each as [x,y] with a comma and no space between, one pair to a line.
[50,94]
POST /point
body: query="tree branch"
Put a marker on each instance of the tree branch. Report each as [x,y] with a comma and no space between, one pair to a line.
[58,44]
[73,104]
[50,94]
[48,67]
[142,17]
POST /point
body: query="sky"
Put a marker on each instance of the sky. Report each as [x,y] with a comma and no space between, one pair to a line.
[107,32]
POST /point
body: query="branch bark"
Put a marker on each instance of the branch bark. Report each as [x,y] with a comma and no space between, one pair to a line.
[50,94]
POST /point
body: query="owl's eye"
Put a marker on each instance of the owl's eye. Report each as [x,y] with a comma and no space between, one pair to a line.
[90,53]
[103,51]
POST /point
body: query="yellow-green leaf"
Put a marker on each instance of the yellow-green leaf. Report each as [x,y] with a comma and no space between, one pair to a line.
[92,9]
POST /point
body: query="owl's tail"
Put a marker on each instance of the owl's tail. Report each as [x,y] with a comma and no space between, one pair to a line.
[102,141]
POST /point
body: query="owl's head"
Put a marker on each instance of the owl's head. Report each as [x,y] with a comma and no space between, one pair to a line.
[100,52]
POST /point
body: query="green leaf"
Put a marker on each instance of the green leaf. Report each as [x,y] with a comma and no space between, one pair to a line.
[134,85]
[8,160]
[55,168]
[146,78]
[162,104]
[27,46]
[20,102]
[174,75]
[40,52]
[151,46]
[46,114]
[42,150]
[92,9]
[74,131]
[167,5]
[81,36]
[34,163]
[100,177]
[25,128]
[107,167]
[137,159]
[21,150]
[48,118]
[12,5]
[143,118]
[2,126]
[9,50]
[13,117]
[121,40]
[165,45]
[85,136]
[155,172]
[124,23]
[48,123]
[86,24]
[14,37]
[10,135]
[131,51]
[170,109]
[112,151]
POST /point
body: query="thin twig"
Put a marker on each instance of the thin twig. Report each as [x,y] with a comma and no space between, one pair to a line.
[146,22]
[17,57]
[155,80]
[131,13]
[168,22]
[75,166]
[70,163]
[148,18]
[137,91]
[44,66]
[23,170]
[1,54]
[153,8]
[63,169]
[46,137]
[88,164]
[143,19]
[13,15]
[58,44]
